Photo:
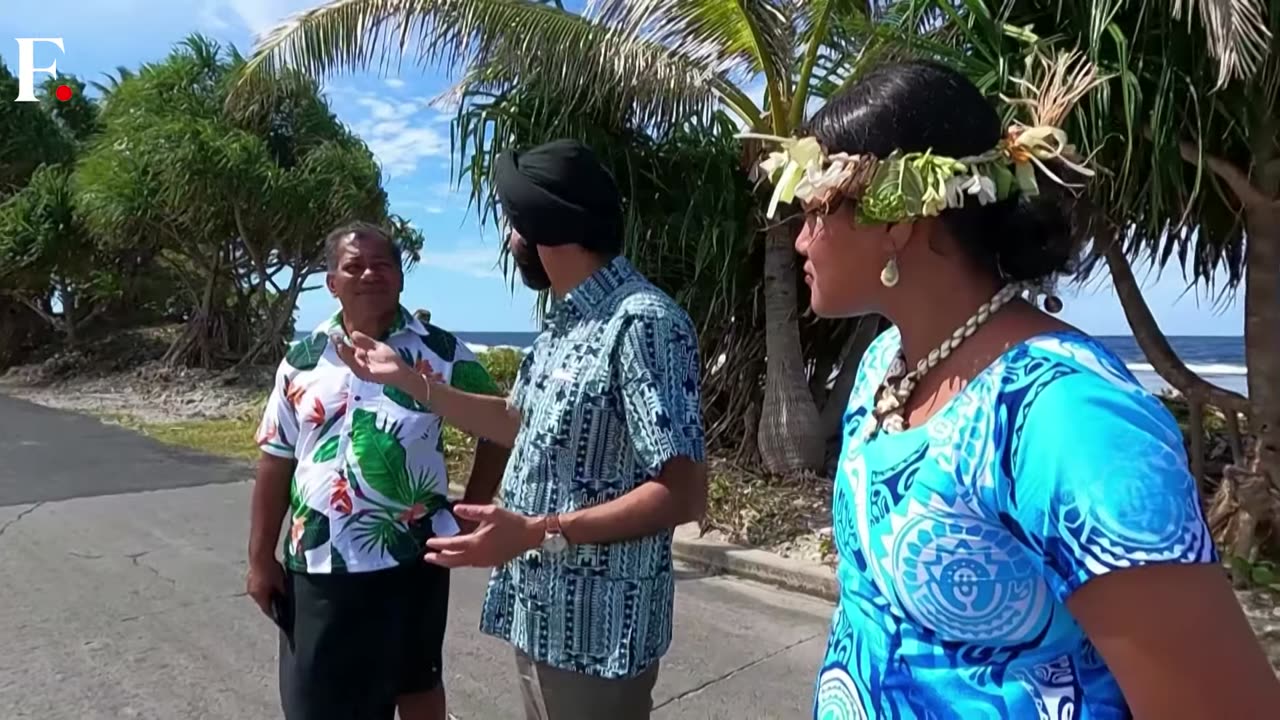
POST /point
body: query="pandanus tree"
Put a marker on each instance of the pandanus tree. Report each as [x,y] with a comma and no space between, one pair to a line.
[233,201]
[652,68]
[1186,139]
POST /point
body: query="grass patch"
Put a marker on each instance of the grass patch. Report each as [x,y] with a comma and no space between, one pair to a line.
[233,438]
[759,510]
[229,438]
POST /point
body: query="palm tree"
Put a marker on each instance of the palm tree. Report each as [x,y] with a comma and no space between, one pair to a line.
[635,63]
[1188,134]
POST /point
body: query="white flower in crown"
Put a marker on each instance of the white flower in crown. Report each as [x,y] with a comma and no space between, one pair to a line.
[769,167]
[821,183]
[977,185]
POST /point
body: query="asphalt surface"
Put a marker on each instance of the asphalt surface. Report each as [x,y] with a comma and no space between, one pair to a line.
[122,597]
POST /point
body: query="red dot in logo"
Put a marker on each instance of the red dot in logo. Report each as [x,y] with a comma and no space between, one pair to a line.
[63,93]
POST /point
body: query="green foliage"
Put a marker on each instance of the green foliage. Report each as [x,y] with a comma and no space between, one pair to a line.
[230,196]
[1176,85]
[29,137]
[1255,573]
[502,364]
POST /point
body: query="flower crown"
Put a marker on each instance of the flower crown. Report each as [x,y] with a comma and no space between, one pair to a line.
[922,184]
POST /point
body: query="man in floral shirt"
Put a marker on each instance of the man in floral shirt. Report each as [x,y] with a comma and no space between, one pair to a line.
[359,471]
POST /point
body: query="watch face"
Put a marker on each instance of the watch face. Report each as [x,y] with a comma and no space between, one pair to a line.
[555,543]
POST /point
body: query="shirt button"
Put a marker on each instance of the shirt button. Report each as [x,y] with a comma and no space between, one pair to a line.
[358,398]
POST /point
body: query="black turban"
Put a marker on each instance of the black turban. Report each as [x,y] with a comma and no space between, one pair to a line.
[559,193]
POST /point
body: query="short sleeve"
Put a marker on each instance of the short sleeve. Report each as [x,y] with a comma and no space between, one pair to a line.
[278,432]
[658,375]
[1100,481]
[470,375]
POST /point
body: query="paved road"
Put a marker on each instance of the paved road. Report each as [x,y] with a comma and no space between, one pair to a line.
[121,596]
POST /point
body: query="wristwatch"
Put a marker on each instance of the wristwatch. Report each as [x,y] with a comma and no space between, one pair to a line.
[554,541]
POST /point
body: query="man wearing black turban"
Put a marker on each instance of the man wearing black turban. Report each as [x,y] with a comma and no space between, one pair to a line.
[605,423]
[554,196]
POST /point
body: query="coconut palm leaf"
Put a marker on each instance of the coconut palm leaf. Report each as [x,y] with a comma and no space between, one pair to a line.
[511,38]
[1238,34]
[741,37]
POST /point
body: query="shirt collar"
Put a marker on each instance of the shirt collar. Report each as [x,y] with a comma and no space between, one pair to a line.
[405,322]
[592,293]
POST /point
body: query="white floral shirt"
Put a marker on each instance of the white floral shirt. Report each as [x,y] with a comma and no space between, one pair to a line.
[370,485]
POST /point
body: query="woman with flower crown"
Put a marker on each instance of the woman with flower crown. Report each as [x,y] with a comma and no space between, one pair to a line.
[1019,535]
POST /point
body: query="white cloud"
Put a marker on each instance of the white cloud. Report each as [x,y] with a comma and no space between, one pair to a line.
[399,134]
[479,262]
[396,83]
[256,16]
[433,210]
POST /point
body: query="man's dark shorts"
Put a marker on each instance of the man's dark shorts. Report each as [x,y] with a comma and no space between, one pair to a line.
[360,640]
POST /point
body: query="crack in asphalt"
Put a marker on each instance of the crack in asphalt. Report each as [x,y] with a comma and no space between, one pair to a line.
[694,691]
[19,516]
[137,557]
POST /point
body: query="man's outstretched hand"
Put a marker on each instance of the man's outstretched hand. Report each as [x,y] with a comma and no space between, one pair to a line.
[375,361]
[499,536]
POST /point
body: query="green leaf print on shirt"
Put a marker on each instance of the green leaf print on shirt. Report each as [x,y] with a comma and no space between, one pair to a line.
[403,399]
[399,526]
[306,353]
[470,376]
[308,528]
[383,462]
[441,342]
[327,451]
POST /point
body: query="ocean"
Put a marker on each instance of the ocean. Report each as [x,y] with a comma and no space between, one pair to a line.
[1219,360]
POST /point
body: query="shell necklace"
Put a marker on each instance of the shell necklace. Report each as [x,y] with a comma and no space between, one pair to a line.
[893,393]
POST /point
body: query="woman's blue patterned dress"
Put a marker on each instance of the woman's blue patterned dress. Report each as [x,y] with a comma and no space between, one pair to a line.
[960,540]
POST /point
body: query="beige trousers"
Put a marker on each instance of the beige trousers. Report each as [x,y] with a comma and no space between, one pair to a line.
[555,694]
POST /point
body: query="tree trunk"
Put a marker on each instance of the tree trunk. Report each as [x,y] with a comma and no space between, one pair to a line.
[790,436]
[282,313]
[1262,333]
[1155,345]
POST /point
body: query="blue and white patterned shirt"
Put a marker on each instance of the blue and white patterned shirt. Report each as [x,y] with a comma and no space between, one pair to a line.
[961,539]
[608,395]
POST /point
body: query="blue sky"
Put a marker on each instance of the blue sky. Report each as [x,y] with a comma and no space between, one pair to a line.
[458,280]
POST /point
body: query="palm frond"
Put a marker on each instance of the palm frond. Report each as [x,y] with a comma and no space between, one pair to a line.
[1237,31]
[738,38]
[533,42]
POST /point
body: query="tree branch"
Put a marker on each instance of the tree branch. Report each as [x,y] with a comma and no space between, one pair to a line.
[1233,176]
[1153,342]
[37,309]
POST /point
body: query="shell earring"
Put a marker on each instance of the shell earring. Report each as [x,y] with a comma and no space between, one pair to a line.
[889,275]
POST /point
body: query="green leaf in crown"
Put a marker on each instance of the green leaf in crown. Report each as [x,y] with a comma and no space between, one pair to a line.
[306,353]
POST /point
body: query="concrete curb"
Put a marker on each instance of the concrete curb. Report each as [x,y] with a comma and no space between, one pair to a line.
[809,578]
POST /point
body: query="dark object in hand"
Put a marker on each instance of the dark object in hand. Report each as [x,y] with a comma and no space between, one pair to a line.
[282,612]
